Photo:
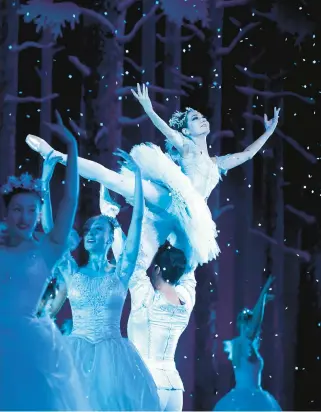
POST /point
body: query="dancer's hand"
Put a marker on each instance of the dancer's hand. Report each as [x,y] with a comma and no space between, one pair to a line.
[142,96]
[49,165]
[270,125]
[61,130]
[128,161]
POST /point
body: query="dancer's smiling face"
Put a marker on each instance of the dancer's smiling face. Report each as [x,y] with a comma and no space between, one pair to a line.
[23,214]
[98,234]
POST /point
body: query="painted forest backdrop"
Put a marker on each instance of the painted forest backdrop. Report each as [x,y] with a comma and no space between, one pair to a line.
[233,60]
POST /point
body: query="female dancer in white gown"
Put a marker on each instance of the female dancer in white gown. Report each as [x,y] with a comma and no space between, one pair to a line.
[247,362]
[36,368]
[114,375]
[176,194]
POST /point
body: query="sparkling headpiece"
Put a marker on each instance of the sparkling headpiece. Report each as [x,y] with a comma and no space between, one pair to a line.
[179,118]
[25,181]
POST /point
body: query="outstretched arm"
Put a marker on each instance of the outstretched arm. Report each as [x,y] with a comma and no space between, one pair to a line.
[172,135]
[48,168]
[110,208]
[258,311]
[67,208]
[233,160]
[126,266]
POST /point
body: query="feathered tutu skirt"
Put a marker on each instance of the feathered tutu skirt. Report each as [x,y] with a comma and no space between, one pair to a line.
[194,230]
[114,375]
[37,372]
[247,399]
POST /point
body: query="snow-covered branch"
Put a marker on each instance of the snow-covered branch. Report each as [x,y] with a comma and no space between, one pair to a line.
[188,79]
[231,3]
[198,33]
[251,74]
[249,91]
[219,212]
[99,18]
[288,139]
[123,91]
[286,249]
[133,64]
[309,219]
[223,51]
[78,130]
[128,121]
[30,99]
[129,37]
[30,44]
[81,67]
[181,39]
[136,66]
[102,132]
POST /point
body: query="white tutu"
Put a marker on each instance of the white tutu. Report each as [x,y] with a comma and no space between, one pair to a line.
[115,377]
[36,368]
[195,231]
[247,399]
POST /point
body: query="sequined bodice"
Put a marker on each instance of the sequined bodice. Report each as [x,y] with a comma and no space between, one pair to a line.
[23,279]
[201,169]
[96,304]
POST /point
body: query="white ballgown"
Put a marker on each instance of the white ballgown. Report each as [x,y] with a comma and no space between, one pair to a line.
[248,394]
[36,367]
[189,185]
[113,372]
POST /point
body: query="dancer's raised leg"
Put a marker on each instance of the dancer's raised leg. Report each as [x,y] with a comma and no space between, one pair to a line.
[154,194]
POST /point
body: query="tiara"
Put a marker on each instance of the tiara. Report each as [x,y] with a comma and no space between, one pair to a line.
[178,119]
[24,181]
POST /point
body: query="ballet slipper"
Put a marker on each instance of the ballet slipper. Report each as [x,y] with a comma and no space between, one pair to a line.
[38,145]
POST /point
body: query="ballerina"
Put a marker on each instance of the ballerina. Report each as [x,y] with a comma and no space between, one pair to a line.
[161,307]
[175,194]
[114,375]
[243,351]
[36,367]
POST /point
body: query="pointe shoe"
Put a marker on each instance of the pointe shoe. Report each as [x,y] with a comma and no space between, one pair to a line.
[38,145]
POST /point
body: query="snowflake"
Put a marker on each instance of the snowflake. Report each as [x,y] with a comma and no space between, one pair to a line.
[191,10]
[48,15]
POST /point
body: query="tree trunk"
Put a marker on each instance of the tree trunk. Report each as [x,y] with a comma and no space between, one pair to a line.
[103,107]
[46,85]
[173,59]
[8,86]
[149,65]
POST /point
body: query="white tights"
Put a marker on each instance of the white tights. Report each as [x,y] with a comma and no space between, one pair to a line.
[155,195]
[171,400]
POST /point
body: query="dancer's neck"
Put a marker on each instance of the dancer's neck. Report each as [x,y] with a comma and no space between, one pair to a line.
[97,263]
